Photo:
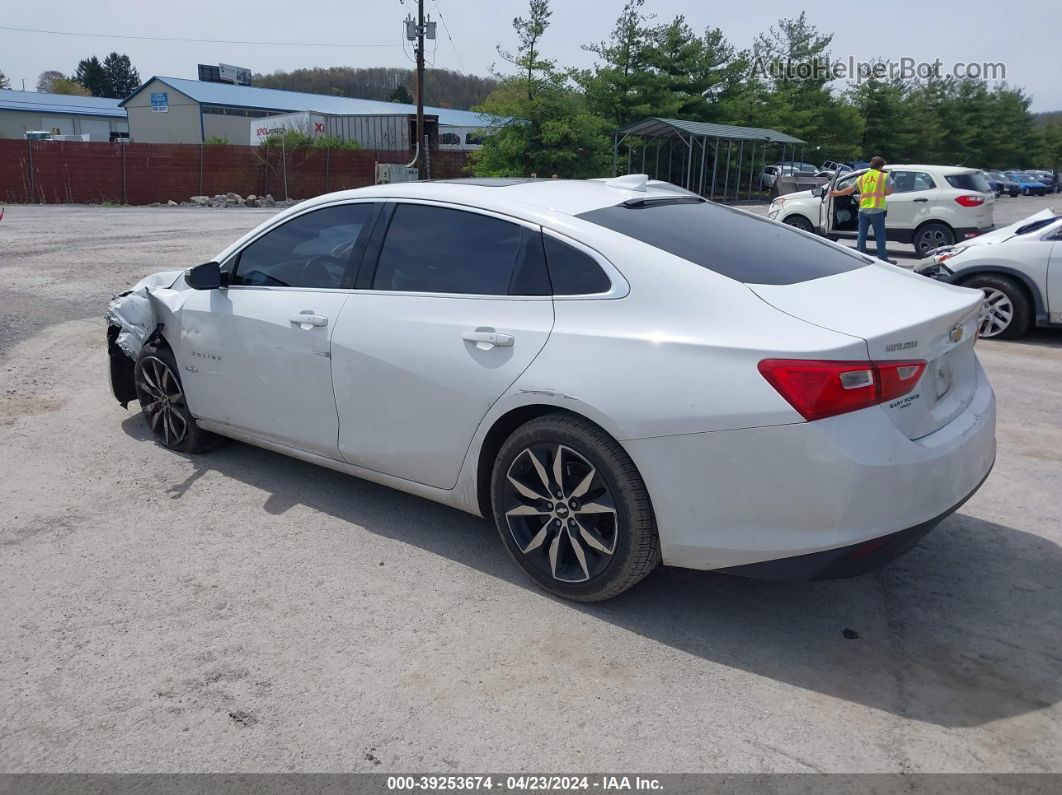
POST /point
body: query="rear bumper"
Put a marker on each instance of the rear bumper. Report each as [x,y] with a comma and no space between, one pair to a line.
[849,561]
[730,499]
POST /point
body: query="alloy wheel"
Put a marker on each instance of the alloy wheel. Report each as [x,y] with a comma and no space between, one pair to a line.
[561,513]
[996,313]
[165,404]
[931,239]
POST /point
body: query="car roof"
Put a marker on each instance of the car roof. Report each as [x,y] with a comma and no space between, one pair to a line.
[566,196]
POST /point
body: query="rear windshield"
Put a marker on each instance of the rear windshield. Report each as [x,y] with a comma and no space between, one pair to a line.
[730,242]
[1032,227]
[974,181]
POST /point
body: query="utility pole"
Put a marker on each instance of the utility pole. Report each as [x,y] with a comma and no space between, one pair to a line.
[422,139]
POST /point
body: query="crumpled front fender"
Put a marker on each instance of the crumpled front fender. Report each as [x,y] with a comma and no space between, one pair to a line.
[132,318]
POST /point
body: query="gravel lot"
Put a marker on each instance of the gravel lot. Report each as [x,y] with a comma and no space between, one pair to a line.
[246,611]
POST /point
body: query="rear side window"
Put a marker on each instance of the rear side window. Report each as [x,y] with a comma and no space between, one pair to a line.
[975,182]
[911,181]
[730,242]
[440,250]
[572,272]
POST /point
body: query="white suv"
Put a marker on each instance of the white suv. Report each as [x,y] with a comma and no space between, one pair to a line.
[931,206]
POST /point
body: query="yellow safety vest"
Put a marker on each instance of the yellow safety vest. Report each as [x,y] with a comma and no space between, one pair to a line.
[872,190]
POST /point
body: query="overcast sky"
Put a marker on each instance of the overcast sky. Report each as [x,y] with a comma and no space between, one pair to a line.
[1023,34]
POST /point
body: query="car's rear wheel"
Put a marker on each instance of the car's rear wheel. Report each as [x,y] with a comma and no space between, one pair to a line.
[162,400]
[931,236]
[572,510]
[1006,312]
[799,222]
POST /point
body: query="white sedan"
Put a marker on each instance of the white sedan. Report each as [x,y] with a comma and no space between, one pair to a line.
[1019,268]
[616,373]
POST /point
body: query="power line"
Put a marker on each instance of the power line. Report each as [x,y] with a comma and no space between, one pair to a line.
[194,41]
[447,29]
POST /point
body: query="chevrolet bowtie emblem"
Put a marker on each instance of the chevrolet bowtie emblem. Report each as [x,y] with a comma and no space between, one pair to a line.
[955,334]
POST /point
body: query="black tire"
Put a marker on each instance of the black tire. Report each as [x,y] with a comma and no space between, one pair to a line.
[551,535]
[171,423]
[799,222]
[1020,304]
[930,236]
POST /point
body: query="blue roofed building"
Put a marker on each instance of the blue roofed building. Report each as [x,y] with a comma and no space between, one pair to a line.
[99,118]
[177,110]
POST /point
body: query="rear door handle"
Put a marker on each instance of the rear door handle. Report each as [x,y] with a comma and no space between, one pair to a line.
[307,318]
[488,339]
[921,200]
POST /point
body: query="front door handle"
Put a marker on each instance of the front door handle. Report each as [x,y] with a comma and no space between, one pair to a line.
[921,200]
[307,318]
[489,339]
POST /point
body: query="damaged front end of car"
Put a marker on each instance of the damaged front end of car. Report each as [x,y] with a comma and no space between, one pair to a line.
[133,318]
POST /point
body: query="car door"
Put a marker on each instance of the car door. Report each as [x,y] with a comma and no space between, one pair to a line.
[453,305]
[912,199]
[258,350]
[828,212]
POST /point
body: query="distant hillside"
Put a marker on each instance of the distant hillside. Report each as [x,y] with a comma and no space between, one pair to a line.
[1048,117]
[442,87]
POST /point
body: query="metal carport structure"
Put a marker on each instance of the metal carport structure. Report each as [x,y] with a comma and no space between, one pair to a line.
[701,148]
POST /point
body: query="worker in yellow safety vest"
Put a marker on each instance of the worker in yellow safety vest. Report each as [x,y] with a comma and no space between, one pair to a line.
[873,186]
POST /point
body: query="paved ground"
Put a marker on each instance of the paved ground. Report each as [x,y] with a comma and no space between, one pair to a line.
[245,611]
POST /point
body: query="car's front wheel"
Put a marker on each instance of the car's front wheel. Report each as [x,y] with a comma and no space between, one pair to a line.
[799,222]
[1006,312]
[572,510]
[163,402]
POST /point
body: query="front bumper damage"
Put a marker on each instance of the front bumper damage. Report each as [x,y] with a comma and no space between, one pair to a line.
[132,319]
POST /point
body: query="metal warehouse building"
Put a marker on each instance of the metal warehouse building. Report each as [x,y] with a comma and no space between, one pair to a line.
[62,114]
[175,110]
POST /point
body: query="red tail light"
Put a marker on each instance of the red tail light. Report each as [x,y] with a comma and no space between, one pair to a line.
[819,389]
[970,201]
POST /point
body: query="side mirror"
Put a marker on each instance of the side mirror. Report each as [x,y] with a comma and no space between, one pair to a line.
[204,277]
[818,190]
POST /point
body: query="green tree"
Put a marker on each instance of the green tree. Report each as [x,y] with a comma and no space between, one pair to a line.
[528,56]
[65,85]
[552,134]
[91,74]
[792,70]
[4,82]
[115,77]
[122,77]
[1049,151]
[401,94]
[889,127]
[699,73]
[542,125]
[622,86]
[46,80]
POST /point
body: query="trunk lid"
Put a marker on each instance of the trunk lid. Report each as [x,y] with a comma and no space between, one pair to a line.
[901,316]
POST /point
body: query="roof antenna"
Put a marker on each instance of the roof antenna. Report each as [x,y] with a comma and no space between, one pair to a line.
[636,182]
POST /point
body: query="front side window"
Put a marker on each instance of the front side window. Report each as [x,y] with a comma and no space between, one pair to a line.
[848,182]
[311,250]
[910,181]
[441,250]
